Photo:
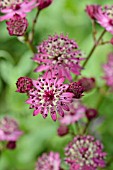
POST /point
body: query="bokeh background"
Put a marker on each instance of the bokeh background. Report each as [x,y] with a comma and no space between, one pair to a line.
[63,16]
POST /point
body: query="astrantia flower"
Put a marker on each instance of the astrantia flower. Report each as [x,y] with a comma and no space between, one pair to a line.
[108,71]
[91,113]
[11,7]
[60,53]
[24,84]
[85,153]
[102,15]
[9,129]
[105,17]
[49,95]
[75,112]
[44,3]
[62,130]
[50,161]
[17,25]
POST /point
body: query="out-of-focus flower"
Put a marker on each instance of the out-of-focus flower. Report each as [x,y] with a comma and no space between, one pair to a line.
[24,84]
[87,83]
[17,25]
[85,153]
[92,10]
[61,53]
[102,15]
[9,129]
[11,145]
[91,113]
[44,4]
[75,112]
[21,7]
[62,130]
[108,71]
[49,95]
[77,89]
[50,161]
[111,41]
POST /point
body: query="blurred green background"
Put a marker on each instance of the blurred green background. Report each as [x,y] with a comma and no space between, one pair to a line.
[63,16]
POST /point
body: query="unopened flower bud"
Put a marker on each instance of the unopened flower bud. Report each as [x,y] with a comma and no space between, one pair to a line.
[62,130]
[24,84]
[11,145]
[44,3]
[91,113]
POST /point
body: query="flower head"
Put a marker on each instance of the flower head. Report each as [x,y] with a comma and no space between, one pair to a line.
[85,153]
[9,129]
[61,53]
[105,17]
[17,25]
[75,112]
[24,84]
[49,95]
[62,130]
[108,71]
[20,7]
[50,161]
[102,15]
[91,113]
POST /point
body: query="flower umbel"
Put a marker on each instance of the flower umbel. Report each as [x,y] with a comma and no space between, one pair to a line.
[49,95]
[9,129]
[61,53]
[50,161]
[17,25]
[85,153]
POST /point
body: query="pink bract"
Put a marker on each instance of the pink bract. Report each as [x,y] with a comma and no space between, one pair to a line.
[20,8]
[60,53]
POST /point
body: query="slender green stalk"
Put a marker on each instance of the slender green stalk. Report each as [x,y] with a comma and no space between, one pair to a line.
[93,49]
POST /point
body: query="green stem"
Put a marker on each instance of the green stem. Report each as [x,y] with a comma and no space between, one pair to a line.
[93,48]
[33,26]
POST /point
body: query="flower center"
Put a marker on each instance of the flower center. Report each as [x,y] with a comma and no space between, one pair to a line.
[109,11]
[48,96]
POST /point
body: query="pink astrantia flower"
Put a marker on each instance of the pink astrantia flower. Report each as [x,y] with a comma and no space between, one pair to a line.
[50,161]
[102,15]
[9,129]
[85,153]
[20,7]
[108,71]
[75,112]
[24,84]
[105,18]
[44,3]
[17,25]
[49,95]
[60,53]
